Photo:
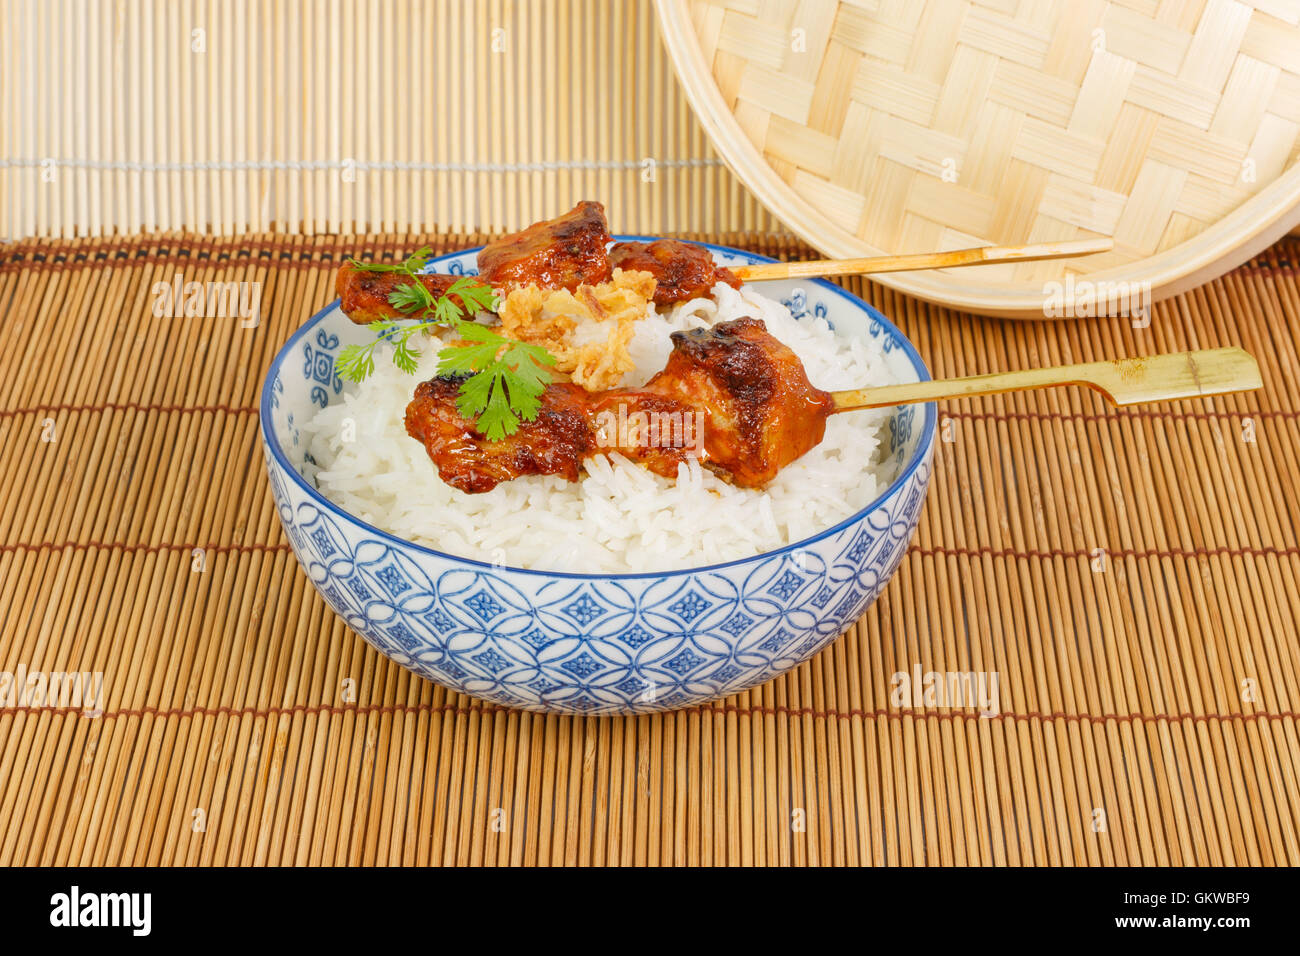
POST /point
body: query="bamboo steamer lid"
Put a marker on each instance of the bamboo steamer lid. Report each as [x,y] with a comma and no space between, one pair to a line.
[896,126]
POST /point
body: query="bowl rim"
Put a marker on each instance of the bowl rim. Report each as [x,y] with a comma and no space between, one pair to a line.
[923,448]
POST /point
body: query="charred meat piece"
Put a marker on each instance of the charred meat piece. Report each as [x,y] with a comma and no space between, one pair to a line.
[658,432]
[682,270]
[558,253]
[365,294]
[762,412]
[554,443]
[732,396]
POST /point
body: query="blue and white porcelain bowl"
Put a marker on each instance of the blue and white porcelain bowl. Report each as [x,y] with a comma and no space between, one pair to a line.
[592,643]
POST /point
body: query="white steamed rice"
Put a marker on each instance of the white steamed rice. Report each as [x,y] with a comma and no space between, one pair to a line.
[619,517]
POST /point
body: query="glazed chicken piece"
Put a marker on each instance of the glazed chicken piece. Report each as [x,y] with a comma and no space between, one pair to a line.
[553,443]
[573,424]
[732,396]
[558,253]
[762,412]
[682,270]
[365,294]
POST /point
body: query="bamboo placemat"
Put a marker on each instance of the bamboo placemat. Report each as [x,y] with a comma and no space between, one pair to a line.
[1131,576]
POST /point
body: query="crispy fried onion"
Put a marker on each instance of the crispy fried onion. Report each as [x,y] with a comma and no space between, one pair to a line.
[549,318]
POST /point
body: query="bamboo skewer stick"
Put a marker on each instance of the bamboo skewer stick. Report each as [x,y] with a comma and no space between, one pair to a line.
[979,255]
[1154,378]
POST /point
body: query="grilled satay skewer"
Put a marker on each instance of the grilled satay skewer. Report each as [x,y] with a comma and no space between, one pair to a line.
[751,408]
[732,396]
[559,253]
[974,256]
[571,249]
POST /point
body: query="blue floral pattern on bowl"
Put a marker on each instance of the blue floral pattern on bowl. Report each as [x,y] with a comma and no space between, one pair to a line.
[318,367]
[591,643]
[797,303]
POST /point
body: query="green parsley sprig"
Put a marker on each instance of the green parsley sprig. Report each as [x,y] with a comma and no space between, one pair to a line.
[506,378]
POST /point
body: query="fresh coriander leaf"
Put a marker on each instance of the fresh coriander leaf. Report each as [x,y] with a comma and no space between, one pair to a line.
[412,298]
[354,363]
[523,361]
[475,336]
[526,404]
[418,259]
[525,395]
[376,266]
[406,358]
[475,393]
[479,333]
[410,265]
[476,295]
[458,359]
[497,420]
[508,381]
[446,310]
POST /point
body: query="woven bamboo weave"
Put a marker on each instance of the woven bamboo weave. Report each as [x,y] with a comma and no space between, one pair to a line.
[1131,575]
[900,127]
